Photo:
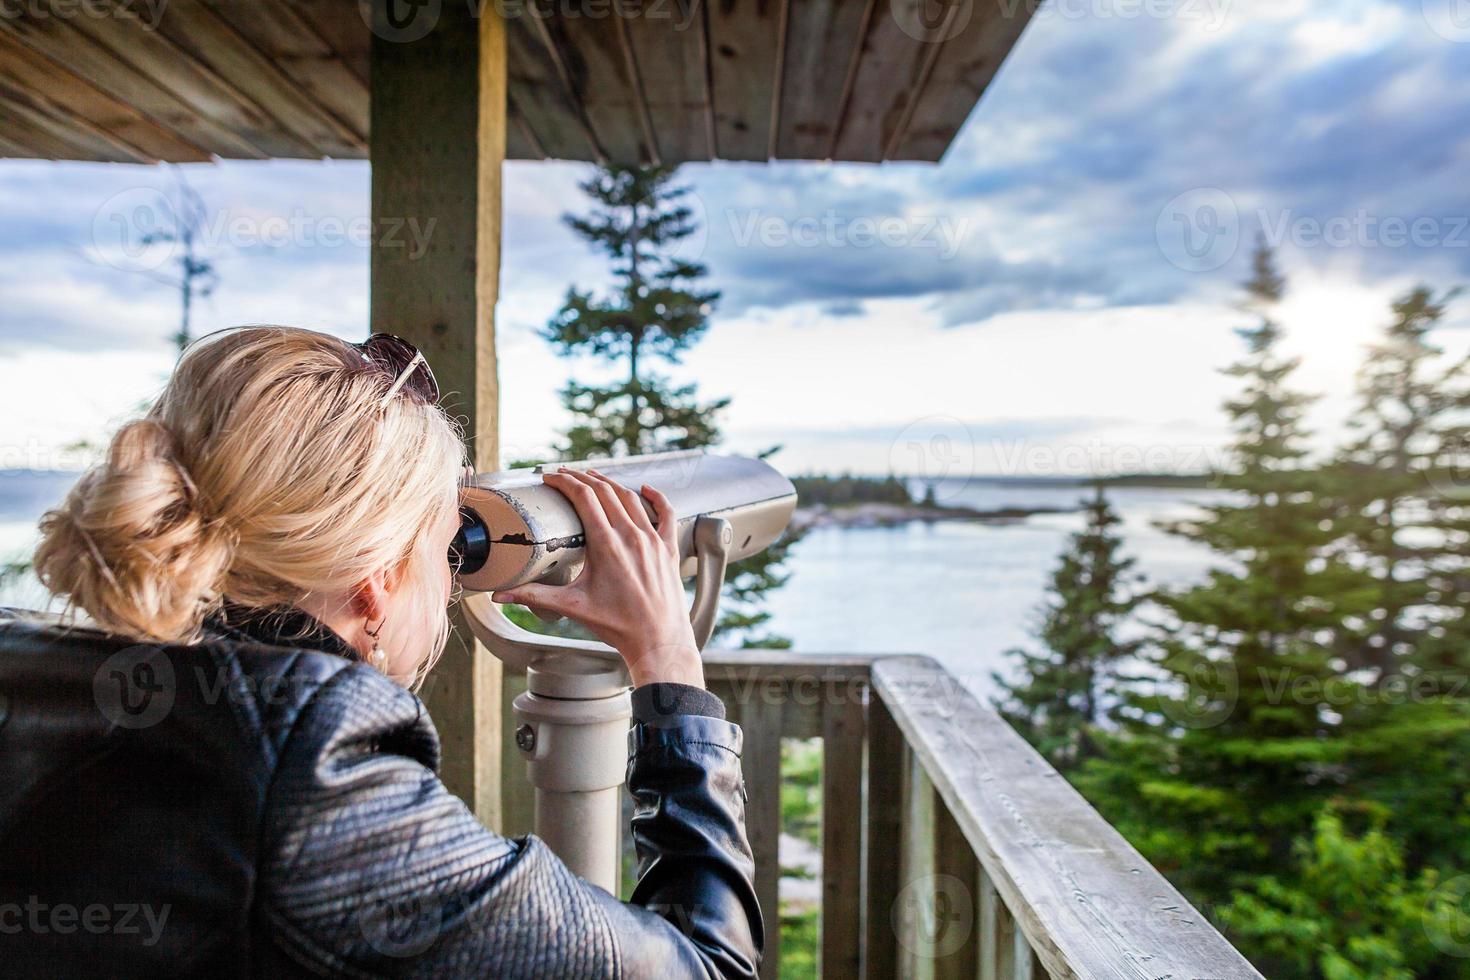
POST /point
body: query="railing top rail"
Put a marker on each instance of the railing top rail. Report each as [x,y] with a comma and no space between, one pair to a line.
[1090,905]
[786,665]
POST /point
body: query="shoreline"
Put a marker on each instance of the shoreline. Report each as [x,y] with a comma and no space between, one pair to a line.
[891,515]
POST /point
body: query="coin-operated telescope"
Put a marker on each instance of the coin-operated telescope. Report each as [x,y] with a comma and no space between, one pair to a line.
[572,721]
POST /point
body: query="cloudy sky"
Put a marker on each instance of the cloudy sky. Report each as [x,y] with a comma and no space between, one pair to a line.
[1055,297]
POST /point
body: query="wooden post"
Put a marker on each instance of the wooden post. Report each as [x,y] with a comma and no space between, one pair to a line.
[883,836]
[843,721]
[438,141]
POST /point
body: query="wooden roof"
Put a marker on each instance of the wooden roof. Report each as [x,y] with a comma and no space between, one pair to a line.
[665,81]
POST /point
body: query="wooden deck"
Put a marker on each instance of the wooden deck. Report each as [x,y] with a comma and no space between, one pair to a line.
[950,847]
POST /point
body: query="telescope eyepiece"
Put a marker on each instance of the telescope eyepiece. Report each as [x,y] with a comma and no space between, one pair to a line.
[470,548]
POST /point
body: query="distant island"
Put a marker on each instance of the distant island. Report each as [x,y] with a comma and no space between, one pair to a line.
[871,501]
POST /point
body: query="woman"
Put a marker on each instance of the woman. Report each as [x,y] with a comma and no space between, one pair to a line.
[235,778]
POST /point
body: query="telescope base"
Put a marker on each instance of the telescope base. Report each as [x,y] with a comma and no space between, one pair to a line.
[572,730]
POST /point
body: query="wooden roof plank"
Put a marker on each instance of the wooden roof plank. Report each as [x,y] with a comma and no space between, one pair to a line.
[964,69]
[21,127]
[893,63]
[825,36]
[668,44]
[672,80]
[201,33]
[289,42]
[10,150]
[744,36]
[591,55]
[46,115]
[30,72]
[537,89]
[520,139]
[217,132]
[341,25]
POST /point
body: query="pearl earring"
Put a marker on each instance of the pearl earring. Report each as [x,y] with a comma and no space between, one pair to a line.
[378,656]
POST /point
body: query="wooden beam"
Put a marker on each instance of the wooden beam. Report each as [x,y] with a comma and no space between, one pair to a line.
[438,123]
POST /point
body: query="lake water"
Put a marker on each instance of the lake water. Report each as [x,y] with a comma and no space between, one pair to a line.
[961,592]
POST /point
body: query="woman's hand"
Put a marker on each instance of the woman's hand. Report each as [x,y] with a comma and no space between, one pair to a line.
[629,594]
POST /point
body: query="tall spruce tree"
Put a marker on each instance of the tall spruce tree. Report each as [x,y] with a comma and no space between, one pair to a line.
[1407,519]
[1054,700]
[1236,736]
[656,310]
[1402,517]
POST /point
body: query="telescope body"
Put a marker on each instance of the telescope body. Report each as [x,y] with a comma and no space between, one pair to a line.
[534,533]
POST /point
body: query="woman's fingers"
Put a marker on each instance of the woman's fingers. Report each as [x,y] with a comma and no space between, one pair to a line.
[663,512]
[559,599]
[617,515]
[630,501]
[588,505]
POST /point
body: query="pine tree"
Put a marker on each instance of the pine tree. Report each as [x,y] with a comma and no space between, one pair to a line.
[1399,520]
[1054,701]
[1406,524]
[1237,736]
[657,309]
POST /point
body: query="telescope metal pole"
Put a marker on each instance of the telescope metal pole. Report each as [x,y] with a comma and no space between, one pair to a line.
[571,728]
[572,722]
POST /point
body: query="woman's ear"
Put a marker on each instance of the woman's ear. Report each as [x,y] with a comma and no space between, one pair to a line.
[370,596]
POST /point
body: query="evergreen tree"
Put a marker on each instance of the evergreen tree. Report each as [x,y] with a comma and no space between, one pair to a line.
[1236,736]
[1399,520]
[1406,523]
[657,309]
[1055,699]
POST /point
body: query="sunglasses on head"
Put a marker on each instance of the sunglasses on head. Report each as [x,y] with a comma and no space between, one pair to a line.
[403,362]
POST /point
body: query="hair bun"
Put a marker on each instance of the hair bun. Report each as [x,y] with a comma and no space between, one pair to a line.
[132,543]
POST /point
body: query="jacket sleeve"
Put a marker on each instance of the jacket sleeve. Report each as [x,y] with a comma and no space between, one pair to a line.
[368,866]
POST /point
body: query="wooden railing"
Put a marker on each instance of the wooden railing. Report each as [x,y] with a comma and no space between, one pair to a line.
[950,848]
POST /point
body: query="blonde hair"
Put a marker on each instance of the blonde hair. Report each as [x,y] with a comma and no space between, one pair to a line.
[273,466]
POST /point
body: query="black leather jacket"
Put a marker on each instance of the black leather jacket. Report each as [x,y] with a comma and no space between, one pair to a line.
[246,808]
